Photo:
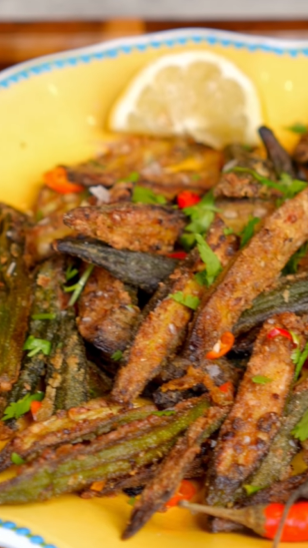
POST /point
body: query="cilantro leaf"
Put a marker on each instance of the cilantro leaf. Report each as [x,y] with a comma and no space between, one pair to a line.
[78,287]
[131,501]
[201,214]
[71,272]
[297,128]
[292,264]
[210,259]
[20,407]
[286,185]
[227,230]
[300,431]
[117,355]
[251,489]
[299,359]
[16,459]
[132,177]
[37,345]
[187,300]
[44,316]
[260,379]
[143,195]
[165,413]
[248,230]
[187,241]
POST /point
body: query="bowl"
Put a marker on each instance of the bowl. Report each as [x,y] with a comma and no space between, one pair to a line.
[54,110]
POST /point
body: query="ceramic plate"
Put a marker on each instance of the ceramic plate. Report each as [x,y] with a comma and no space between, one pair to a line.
[54,110]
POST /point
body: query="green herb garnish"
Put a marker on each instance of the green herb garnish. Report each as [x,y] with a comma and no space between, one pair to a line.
[201,214]
[260,379]
[297,128]
[292,264]
[143,195]
[248,230]
[187,300]
[165,413]
[299,359]
[210,259]
[195,177]
[300,431]
[37,345]
[117,355]
[133,177]
[78,287]
[227,231]
[71,272]
[16,459]
[44,316]
[187,241]
[20,407]
[131,501]
[251,489]
[286,185]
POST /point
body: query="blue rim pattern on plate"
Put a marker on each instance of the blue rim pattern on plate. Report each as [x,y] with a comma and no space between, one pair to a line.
[125,46]
[36,540]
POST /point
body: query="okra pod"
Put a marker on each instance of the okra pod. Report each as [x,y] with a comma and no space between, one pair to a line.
[290,294]
[172,469]
[144,270]
[72,468]
[15,293]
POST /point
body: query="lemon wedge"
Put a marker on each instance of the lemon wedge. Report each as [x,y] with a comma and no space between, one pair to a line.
[197,94]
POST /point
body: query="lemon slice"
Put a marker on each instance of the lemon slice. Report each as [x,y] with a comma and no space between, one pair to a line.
[197,94]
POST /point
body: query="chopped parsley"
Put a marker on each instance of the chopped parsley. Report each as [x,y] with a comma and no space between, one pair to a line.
[210,259]
[300,431]
[131,501]
[292,264]
[299,359]
[248,230]
[132,177]
[251,489]
[117,355]
[71,272]
[22,406]
[44,316]
[227,231]
[143,195]
[297,128]
[78,287]
[164,413]
[16,459]
[201,214]
[260,379]
[187,300]
[37,345]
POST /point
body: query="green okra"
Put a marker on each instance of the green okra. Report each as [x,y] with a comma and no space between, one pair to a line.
[144,270]
[290,294]
[15,293]
[76,467]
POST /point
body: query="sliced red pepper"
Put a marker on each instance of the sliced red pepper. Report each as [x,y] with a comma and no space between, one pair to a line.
[276,331]
[226,387]
[185,491]
[178,255]
[35,406]
[223,346]
[187,199]
[57,180]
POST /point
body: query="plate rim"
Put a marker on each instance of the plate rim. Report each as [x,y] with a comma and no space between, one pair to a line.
[175,37]
[19,532]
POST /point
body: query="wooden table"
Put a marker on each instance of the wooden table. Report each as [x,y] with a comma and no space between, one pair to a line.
[20,41]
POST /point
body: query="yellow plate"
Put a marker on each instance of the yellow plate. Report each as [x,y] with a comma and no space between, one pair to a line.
[54,110]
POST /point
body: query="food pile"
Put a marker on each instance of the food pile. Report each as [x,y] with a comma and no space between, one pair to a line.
[167,270]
